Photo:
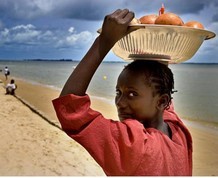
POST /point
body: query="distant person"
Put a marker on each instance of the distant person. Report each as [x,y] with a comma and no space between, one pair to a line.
[150,139]
[11,87]
[7,72]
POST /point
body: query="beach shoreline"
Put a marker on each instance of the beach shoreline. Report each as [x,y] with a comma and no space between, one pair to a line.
[39,98]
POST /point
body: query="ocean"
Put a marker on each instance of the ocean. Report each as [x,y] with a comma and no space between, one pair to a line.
[197,84]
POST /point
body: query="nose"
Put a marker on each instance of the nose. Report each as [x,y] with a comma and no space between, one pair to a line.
[120,101]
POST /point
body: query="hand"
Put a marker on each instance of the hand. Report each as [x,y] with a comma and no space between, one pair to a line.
[115,26]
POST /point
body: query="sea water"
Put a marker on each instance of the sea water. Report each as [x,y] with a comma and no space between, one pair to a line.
[197,84]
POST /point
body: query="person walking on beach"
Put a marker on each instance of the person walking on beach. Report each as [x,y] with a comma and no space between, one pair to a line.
[11,87]
[7,72]
[149,139]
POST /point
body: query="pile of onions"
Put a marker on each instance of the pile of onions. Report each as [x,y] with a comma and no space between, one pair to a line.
[168,18]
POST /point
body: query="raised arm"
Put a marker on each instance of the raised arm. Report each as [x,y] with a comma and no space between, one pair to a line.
[115,26]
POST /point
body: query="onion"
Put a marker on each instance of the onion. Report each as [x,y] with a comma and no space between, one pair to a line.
[169,19]
[194,24]
[148,19]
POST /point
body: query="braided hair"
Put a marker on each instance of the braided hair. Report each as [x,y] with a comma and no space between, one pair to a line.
[157,75]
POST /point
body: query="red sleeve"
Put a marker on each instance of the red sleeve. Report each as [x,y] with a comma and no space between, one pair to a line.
[111,143]
[74,112]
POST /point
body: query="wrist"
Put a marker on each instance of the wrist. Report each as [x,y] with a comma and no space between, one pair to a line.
[106,42]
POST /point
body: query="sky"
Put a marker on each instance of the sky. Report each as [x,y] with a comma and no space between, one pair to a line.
[65,29]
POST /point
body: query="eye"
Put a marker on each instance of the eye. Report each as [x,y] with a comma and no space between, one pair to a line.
[132,94]
[118,92]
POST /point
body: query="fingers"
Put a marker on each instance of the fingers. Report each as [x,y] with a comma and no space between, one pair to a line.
[122,16]
[121,13]
[115,25]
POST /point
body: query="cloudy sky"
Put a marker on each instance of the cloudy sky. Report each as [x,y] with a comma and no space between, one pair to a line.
[65,29]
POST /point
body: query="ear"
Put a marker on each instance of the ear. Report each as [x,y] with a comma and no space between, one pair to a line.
[163,101]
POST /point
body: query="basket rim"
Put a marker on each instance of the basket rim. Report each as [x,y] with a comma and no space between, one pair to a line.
[208,34]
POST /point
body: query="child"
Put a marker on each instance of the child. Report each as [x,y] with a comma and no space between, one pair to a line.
[11,87]
[149,139]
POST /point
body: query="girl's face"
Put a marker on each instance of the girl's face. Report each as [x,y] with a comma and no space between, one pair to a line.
[134,99]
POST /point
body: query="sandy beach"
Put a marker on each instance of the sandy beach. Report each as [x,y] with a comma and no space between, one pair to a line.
[32,143]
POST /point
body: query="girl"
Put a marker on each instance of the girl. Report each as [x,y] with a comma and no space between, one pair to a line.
[149,139]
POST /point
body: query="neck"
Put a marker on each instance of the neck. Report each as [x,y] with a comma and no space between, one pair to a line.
[157,124]
[160,125]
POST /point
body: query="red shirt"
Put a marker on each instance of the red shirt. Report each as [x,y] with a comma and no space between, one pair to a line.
[126,148]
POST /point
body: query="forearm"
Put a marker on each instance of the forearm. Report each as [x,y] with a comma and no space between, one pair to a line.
[114,28]
[80,78]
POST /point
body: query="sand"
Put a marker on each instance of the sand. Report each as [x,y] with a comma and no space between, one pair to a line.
[32,143]
[32,146]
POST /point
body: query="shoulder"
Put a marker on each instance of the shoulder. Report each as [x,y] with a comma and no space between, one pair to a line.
[74,101]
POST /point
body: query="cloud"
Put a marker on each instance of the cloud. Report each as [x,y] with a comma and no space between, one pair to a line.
[92,10]
[76,40]
[96,9]
[71,29]
[25,9]
[53,25]
[23,34]
[30,35]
